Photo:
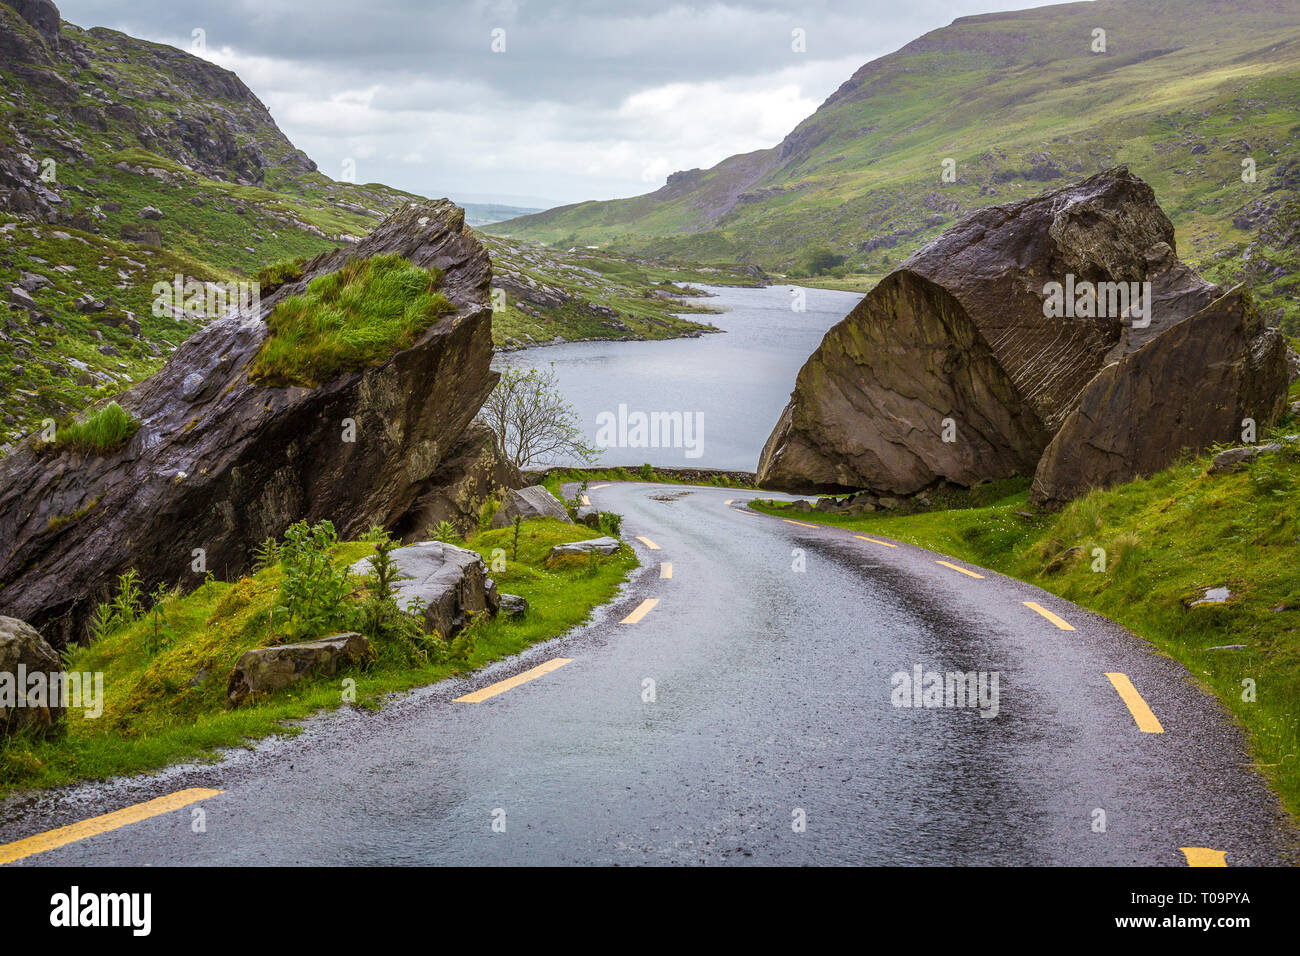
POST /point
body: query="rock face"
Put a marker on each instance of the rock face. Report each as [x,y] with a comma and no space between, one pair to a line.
[472,472]
[452,582]
[1188,389]
[21,646]
[219,463]
[263,670]
[527,503]
[957,368]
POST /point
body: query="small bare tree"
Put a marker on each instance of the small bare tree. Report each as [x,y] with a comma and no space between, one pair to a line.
[532,421]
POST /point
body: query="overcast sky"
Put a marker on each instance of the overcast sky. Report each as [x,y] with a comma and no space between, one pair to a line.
[589,99]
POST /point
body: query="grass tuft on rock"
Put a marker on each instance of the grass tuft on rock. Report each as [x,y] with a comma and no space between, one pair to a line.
[103,430]
[348,320]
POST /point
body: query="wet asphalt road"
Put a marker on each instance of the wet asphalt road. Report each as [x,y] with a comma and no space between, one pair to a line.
[772,702]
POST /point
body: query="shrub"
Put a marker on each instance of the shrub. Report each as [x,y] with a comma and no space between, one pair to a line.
[103,430]
[124,607]
[445,532]
[611,523]
[314,594]
[392,628]
[348,320]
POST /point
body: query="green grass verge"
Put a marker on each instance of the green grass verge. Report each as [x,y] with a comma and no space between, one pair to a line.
[347,320]
[1164,539]
[164,693]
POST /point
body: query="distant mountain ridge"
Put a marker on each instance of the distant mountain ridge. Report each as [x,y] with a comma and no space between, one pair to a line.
[1184,92]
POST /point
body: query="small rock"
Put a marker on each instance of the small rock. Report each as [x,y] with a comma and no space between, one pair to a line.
[151,213]
[266,669]
[512,605]
[604,545]
[528,503]
[1219,595]
[452,582]
[21,646]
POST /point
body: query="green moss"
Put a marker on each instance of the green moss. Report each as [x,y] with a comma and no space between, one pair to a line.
[347,320]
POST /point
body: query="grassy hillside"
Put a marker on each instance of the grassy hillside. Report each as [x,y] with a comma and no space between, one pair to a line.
[166,666]
[1185,90]
[1166,539]
[125,163]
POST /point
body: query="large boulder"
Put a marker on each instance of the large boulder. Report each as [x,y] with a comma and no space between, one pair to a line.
[25,707]
[956,368]
[220,463]
[452,582]
[1187,390]
[528,503]
[264,670]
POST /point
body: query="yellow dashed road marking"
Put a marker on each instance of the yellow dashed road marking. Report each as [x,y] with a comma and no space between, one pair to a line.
[1146,720]
[1059,622]
[729,501]
[800,523]
[649,544]
[53,839]
[644,608]
[501,686]
[1200,856]
[586,501]
[962,570]
[665,569]
[874,541]
[598,487]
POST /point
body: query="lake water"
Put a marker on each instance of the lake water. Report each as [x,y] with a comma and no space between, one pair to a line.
[728,388]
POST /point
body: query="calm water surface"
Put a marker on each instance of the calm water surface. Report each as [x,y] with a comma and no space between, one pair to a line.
[734,383]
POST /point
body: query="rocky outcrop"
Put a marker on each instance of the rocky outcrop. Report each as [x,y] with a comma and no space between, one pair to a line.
[219,464]
[264,670]
[528,503]
[25,708]
[1182,392]
[472,473]
[959,367]
[451,583]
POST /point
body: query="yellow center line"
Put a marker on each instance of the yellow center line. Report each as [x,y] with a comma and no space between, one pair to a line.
[642,609]
[972,574]
[1146,720]
[501,686]
[802,523]
[729,501]
[598,487]
[53,839]
[586,501]
[1059,622]
[874,541]
[1201,856]
[648,543]
[665,569]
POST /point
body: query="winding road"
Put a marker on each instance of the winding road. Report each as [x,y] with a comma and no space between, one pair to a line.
[740,703]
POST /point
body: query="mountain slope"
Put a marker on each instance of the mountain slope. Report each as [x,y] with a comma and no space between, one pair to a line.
[1184,92]
[125,163]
